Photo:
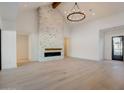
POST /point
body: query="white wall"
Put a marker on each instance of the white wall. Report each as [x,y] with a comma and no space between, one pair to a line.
[0,23]
[8,41]
[27,23]
[8,25]
[67,30]
[33,47]
[85,40]
[108,42]
[101,45]
[8,49]
[22,48]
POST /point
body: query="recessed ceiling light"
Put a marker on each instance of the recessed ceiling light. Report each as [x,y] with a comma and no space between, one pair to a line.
[90,10]
[25,5]
[93,14]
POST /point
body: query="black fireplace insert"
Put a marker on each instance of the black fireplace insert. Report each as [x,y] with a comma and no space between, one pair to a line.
[52,54]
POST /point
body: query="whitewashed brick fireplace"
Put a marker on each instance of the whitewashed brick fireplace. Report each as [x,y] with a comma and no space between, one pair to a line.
[51,36]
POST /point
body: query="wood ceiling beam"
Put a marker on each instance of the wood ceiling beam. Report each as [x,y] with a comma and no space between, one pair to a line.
[55,4]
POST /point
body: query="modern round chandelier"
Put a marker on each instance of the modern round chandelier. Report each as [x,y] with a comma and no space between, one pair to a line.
[76,15]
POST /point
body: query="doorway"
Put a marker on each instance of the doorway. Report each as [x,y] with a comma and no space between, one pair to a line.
[118,48]
[66,46]
[22,50]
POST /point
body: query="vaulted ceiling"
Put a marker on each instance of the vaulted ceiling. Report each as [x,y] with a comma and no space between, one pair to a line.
[94,10]
[10,10]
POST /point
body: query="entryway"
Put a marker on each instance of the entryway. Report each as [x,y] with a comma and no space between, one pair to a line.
[22,50]
[118,48]
[66,46]
[112,43]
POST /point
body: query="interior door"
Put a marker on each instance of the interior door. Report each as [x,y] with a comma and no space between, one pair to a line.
[117,48]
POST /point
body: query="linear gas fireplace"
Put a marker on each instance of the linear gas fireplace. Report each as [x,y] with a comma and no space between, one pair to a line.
[52,52]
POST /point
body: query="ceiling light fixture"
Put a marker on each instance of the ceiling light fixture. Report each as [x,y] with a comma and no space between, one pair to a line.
[93,14]
[76,15]
[25,5]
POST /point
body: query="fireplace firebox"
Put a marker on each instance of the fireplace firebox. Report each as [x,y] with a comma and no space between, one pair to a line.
[52,52]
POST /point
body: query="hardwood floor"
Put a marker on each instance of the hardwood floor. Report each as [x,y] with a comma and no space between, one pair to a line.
[22,63]
[69,73]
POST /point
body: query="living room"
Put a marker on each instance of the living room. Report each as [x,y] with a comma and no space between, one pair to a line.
[43,40]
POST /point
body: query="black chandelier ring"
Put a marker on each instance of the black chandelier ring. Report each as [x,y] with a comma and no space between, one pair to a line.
[76,13]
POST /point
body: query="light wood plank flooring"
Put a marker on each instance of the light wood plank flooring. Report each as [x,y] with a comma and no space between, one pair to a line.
[69,73]
[22,63]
